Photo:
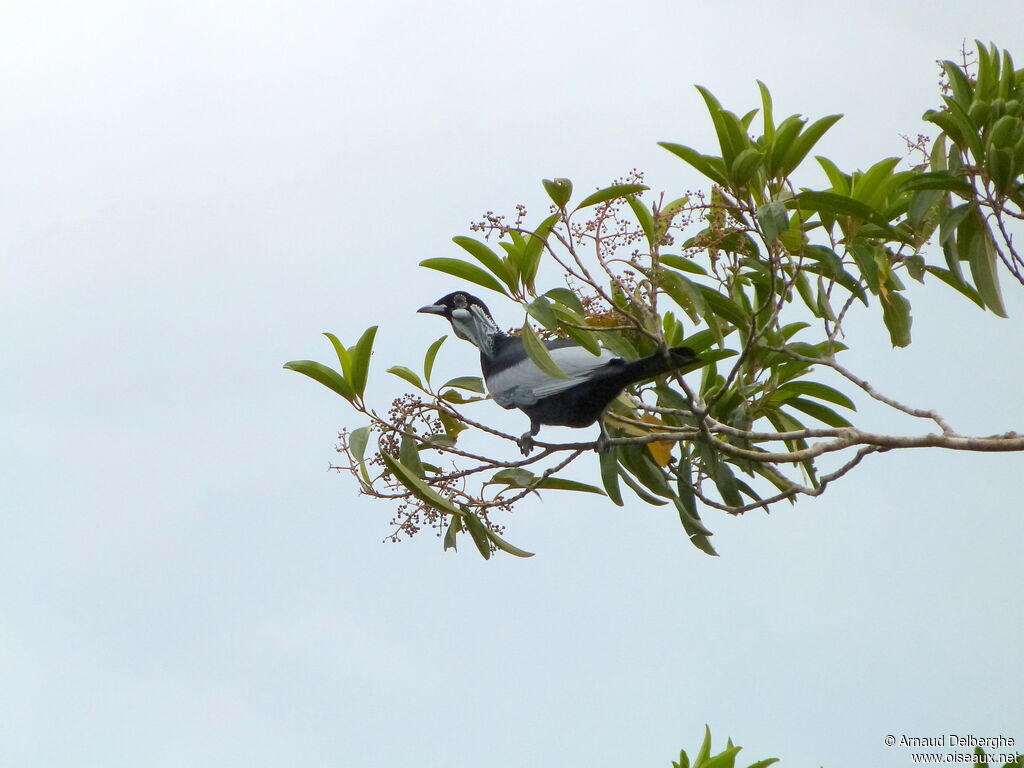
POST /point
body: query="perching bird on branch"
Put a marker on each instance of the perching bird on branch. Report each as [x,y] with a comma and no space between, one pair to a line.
[515,381]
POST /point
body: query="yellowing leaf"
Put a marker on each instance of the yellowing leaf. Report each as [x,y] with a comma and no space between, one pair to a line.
[660,452]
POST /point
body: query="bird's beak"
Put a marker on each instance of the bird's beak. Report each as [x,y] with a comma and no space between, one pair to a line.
[432,309]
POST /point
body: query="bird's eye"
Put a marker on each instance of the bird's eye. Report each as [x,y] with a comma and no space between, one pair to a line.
[460,301]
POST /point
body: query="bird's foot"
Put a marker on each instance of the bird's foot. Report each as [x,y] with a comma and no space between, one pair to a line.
[601,444]
[525,443]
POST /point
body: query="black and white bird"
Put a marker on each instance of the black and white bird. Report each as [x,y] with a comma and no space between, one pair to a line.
[515,381]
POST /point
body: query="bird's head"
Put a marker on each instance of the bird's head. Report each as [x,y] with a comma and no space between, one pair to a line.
[470,318]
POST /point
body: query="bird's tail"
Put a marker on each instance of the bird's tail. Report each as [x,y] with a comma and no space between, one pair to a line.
[657,364]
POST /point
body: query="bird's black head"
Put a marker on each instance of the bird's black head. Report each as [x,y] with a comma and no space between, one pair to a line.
[470,318]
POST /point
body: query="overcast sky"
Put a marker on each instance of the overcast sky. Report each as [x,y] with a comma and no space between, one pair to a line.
[191,192]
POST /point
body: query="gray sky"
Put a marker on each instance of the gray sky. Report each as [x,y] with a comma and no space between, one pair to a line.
[192,192]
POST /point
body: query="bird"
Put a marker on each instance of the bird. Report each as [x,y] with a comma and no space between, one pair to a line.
[515,381]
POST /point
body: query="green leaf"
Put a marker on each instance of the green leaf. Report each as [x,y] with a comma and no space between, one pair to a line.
[504,546]
[952,220]
[559,190]
[896,314]
[1002,169]
[959,83]
[404,373]
[712,167]
[454,527]
[533,250]
[357,440]
[466,271]
[682,264]
[517,477]
[745,166]
[343,356]
[982,258]
[329,377]
[705,749]
[566,298]
[974,242]
[766,112]
[610,475]
[643,217]
[428,360]
[725,307]
[937,180]
[637,460]
[472,383]
[921,203]
[417,487]
[361,359]
[805,141]
[585,339]
[821,412]
[773,220]
[725,481]
[638,489]
[610,193]
[539,354]
[815,389]
[455,397]
[482,253]
[409,455]
[542,310]
[564,484]
[839,205]
[840,181]
[683,292]
[478,531]
[953,281]
[785,135]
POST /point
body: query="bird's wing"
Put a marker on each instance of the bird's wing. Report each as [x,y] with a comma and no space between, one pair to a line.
[523,383]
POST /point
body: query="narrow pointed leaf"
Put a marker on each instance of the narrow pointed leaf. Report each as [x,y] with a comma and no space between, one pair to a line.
[610,475]
[564,484]
[451,535]
[712,167]
[937,180]
[818,390]
[534,249]
[643,217]
[428,360]
[805,142]
[409,375]
[539,354]
[482,253]
[982,258]
[610,193]
[361,359]
[504,546]
[357,440]
[896,314]
[821,412]
[417,487]
[774,220]
[329,377]
[472,383]
[478,531]
[344,358]
[466,271]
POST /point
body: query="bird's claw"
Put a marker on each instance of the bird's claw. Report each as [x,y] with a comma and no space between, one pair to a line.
[526,444]
[601,444]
